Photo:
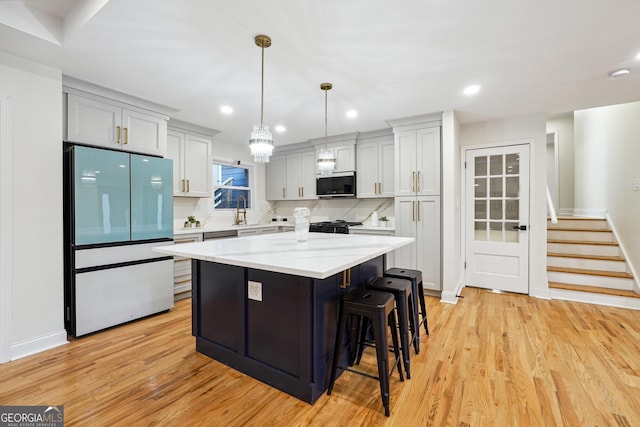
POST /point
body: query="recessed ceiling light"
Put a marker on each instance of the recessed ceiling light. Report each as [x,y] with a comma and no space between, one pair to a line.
[225,109]
[616,74]
[280,128]
[471,90]
[352,113]
[638,56]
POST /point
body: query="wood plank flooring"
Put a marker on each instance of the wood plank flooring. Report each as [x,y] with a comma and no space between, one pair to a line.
[491,360]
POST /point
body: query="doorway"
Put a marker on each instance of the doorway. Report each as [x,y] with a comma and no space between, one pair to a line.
[497,218]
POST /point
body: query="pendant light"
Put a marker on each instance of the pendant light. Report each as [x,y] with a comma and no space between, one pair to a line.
[326,157]
[261,141]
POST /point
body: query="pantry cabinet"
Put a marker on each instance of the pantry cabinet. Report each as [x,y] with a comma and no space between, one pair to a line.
[419,217]
[190,153]
[107,123]
[375,167]
[417,151]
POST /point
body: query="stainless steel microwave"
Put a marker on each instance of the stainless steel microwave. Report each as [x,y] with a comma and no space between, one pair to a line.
[341,184]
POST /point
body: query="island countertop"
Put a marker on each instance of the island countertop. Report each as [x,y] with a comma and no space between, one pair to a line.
[321,256]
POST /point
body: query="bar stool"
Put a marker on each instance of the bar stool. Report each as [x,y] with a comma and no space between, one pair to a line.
[378,307]
[415,276]
[401,290]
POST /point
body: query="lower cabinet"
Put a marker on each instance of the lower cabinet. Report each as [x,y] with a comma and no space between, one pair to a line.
[419,217]
[182,268]
[391,256]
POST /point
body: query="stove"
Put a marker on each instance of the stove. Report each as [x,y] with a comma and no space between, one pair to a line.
[337,227]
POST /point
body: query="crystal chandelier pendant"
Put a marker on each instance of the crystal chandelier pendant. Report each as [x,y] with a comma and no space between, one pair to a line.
[326,158]
[261,141]
[326,161]
[261,144]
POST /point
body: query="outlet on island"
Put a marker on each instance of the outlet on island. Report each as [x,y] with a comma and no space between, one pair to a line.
[254,290]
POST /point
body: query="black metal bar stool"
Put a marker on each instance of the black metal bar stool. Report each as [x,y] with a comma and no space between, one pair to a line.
[415,276]
[379,308]
[401,290]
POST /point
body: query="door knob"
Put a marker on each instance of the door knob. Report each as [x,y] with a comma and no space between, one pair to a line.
[520,227]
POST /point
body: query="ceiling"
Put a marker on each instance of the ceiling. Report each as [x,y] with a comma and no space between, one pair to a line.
[387,60]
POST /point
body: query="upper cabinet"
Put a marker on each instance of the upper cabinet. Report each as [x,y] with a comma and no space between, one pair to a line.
[292,176]
[343,148]
[417,153]
[375,167]
[190,153]
[98,116]
[107,124]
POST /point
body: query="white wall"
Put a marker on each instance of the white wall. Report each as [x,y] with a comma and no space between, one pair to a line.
[607,143]
[452,257]
[563,126]
[518,129]
[36,207]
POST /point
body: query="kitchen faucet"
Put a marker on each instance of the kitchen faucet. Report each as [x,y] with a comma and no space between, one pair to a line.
[244,210]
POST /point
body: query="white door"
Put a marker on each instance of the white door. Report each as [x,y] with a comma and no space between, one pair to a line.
[497,218]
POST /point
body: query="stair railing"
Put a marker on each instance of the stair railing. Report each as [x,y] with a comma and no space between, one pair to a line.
[552,210]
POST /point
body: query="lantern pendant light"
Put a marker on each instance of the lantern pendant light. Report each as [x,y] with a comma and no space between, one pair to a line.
[261,141]
[326,157]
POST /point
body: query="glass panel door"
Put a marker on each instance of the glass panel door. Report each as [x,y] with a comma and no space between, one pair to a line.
[101,196]
[496,198]
[151,197]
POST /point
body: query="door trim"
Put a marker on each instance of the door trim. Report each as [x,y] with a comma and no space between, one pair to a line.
[5,229]
[463,201]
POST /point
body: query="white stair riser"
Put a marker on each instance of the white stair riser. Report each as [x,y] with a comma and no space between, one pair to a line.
[601,250]
[589,264]
[587,236]
[595,224]
[589,280]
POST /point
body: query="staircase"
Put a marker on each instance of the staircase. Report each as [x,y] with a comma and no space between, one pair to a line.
[585,263]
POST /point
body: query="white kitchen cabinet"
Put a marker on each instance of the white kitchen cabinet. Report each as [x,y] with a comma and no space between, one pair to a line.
[301,179]
[182,267]
[292,176]
[345,155]
[276,178]
[107,123]
[375,168]
[191,163]
[417,159]
[419,217]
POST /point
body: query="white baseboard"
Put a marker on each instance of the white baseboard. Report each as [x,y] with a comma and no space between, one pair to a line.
[451,297]
[590,213]
[565,212]
[542,293]
[36,345]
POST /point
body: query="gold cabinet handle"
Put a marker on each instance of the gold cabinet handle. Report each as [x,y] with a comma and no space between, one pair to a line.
[413,211]
[118,139]
[188,186]
[418,182]
[346,278]
[302,191]
[413,181]
[182,185]
[418,209]
[284,194]
[126,135]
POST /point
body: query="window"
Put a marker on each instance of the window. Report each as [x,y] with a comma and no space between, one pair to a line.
[231,183]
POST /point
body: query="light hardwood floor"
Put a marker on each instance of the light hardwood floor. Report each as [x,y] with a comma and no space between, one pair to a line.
[491,360]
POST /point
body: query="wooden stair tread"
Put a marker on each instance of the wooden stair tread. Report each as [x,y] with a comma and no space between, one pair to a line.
[618,274]
[581,242]
[581,256]
[594,289]
[595,230]
[578,218]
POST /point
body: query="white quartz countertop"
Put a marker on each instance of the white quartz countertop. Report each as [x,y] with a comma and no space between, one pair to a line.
[212,228]
[321,256]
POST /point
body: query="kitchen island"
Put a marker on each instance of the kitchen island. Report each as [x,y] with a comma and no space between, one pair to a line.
[267,305]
